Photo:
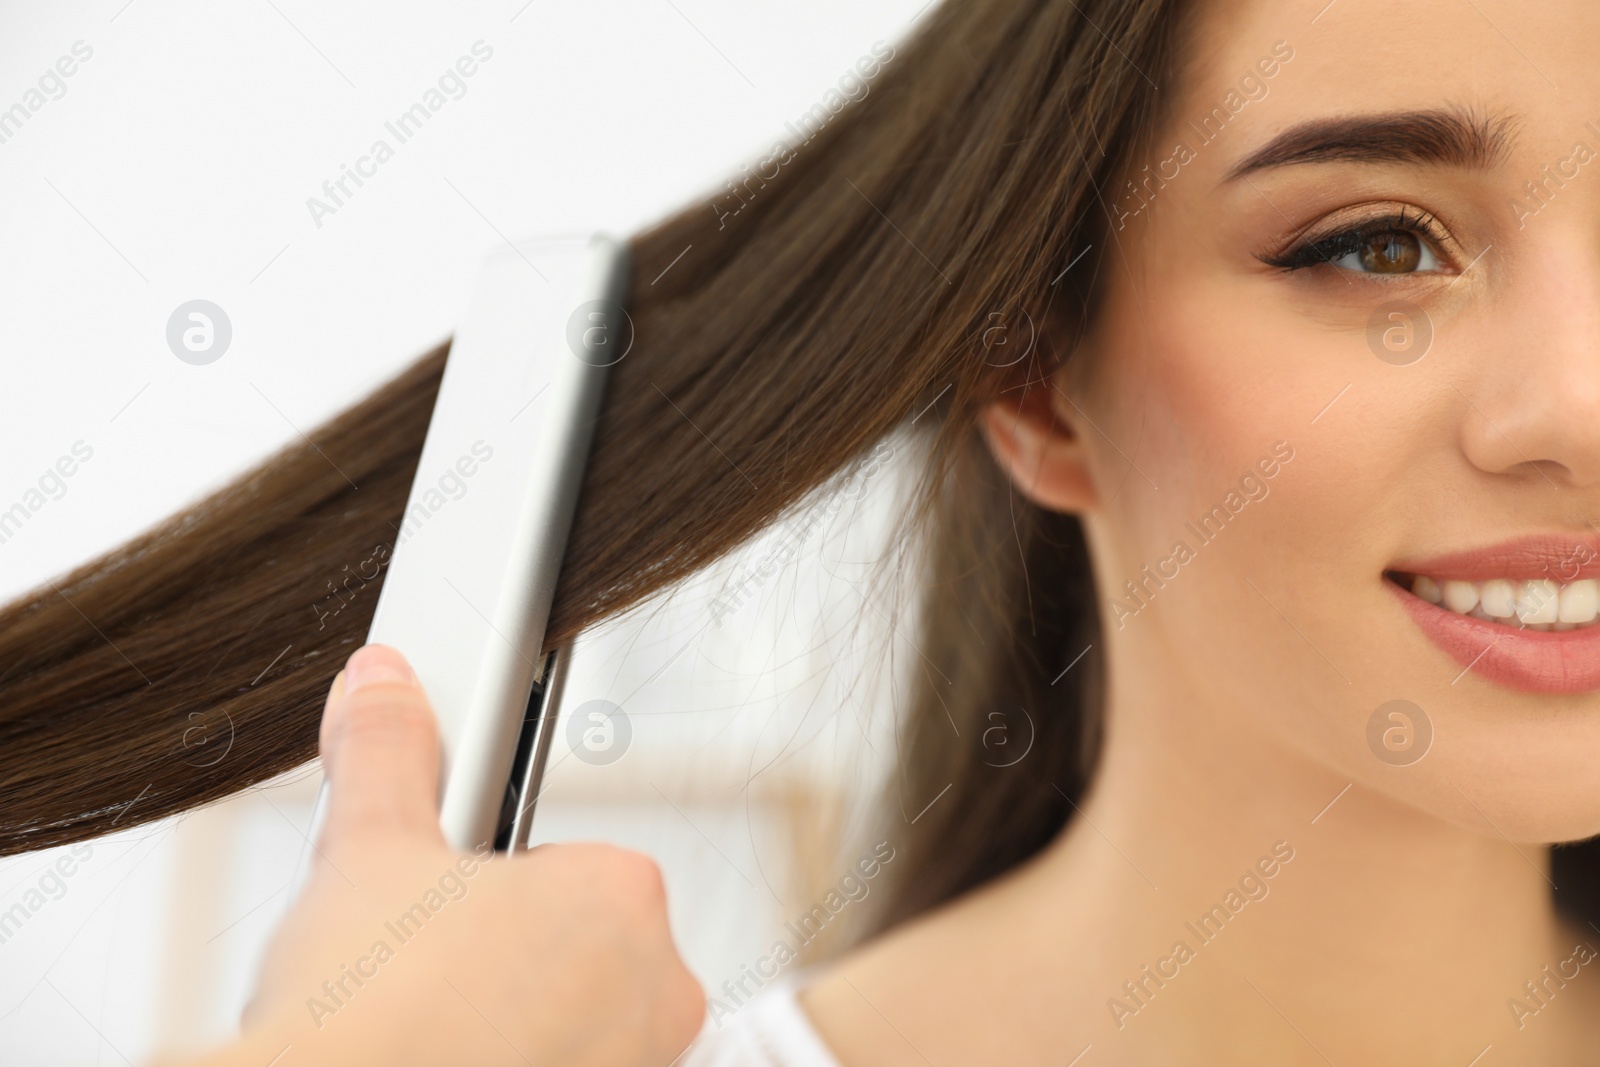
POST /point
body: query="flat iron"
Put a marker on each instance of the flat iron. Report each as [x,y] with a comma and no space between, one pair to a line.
[478,552]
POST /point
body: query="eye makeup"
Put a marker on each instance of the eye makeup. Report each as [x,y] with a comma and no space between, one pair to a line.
[1407,241]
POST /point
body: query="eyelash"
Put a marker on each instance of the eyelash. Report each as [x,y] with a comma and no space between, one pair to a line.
[1325,251]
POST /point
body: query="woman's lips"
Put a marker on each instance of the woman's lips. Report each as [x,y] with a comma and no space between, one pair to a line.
[1565,661]
[1553,557]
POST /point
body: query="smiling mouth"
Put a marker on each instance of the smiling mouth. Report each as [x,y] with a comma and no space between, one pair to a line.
[1521,614]
[1542,605]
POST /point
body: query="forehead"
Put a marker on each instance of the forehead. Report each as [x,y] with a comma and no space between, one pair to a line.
[1530,61]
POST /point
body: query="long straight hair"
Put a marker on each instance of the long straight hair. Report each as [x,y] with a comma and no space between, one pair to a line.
[854,291]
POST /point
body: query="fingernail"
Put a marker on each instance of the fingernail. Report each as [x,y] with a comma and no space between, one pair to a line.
[376,663]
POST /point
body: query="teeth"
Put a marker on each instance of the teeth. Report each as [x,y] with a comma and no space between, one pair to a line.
[1460,597]
[1538,602]
[1498,598]
[1579,601]
[1541,605]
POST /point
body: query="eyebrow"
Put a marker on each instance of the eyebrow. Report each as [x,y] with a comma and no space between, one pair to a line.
[1449,137]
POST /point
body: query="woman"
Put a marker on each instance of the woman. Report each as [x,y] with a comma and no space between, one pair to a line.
[1253,344]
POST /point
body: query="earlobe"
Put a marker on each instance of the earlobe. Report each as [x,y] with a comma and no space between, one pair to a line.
[1041,450]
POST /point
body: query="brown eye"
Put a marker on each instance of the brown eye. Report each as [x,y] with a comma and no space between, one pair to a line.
[1398,245]
[1391,252]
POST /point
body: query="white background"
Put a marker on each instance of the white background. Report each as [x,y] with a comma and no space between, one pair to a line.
[177,166]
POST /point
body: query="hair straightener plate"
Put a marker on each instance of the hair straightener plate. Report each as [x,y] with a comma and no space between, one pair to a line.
[477,555]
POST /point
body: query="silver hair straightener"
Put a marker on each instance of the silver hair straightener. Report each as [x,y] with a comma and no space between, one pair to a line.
[478,553]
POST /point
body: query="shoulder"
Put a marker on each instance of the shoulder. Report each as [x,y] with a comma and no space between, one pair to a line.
[930,981]
[770,1031]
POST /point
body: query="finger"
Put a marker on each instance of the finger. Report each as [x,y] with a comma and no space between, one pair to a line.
[335,694]
[380,750]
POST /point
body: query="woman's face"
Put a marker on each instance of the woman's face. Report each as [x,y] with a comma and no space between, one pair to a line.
[1352,328]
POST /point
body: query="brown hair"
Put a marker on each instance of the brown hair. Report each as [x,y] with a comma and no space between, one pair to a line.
[849,296]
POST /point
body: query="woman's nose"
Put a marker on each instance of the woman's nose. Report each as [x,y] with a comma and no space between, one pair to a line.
[1530,381]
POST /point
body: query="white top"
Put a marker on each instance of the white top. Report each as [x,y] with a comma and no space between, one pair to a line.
[771,1030]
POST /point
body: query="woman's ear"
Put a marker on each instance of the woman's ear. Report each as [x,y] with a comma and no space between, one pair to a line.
[1036,436]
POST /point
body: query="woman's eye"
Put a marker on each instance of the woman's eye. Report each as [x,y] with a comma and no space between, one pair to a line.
[1389,252]
[1401,244]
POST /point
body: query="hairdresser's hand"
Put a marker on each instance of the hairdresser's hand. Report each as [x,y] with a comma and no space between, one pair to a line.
[402,951]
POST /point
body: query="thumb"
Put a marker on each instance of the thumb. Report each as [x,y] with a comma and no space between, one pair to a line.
[380,751]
